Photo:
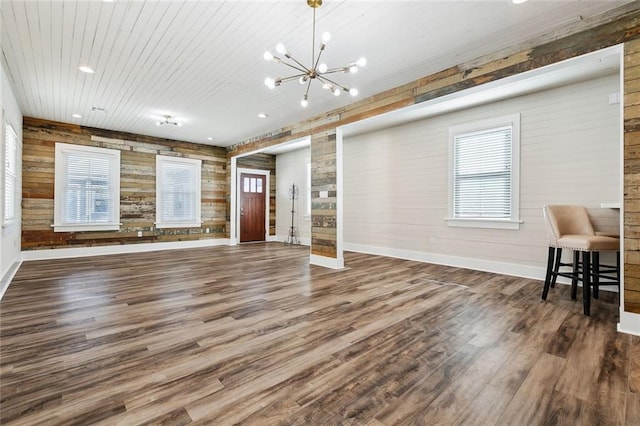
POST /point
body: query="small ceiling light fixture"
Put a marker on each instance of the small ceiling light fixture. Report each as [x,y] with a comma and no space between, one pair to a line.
[76,115]
[317,70]
[518,1]
[167,121]
[209,138]
[86,69]
[262,115]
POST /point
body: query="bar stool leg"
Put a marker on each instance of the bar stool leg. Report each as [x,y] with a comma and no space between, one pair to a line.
[556,267]
[547,279]
[595,266]
[586,282]
[575,276]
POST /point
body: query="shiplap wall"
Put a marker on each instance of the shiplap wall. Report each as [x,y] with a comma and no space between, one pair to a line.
[292,168]
[396,179]
[137,187]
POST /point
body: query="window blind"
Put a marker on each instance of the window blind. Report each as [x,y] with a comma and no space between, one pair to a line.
[87,189]
[482,174]
[178,192]
[10,173]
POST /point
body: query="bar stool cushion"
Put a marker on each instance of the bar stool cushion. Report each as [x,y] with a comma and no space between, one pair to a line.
[589,242]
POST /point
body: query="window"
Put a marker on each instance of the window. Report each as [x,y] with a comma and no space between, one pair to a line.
[10,174]
[177,192]
[87,188]
[484,174]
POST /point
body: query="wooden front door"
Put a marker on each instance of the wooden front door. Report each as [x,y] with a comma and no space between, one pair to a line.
[252,207]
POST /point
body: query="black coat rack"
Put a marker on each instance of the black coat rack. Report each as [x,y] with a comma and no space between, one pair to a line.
[293,194]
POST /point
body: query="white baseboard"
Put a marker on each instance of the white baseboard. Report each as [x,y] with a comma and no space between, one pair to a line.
[327,262]
[65,253]
[629,323]
[8,276]
[524,271]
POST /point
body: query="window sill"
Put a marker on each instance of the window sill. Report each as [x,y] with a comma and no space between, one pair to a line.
[88,227]
[484,223]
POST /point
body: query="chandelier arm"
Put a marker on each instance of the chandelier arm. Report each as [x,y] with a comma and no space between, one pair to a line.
[292,77]
[315,65]
[302,70]
[306,92]
[335,70]
[328,80]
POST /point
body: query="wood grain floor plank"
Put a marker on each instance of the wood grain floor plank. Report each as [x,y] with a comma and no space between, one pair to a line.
[253,334]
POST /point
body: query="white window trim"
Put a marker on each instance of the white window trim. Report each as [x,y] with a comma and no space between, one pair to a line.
[10,218]
[513,222]
[58,223]
[160,224]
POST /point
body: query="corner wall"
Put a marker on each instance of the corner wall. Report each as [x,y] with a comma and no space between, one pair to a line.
[10,234]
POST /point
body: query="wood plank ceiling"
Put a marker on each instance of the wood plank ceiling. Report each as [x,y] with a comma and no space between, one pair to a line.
[201,62]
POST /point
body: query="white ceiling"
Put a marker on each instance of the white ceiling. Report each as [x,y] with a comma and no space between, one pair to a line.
[201,61]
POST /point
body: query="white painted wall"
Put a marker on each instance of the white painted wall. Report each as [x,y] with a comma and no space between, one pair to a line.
[10,234]
[396,179]
[292,167]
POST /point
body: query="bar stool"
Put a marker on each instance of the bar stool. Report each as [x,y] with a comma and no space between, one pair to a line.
[569,227]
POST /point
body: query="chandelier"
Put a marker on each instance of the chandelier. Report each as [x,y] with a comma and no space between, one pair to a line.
[317,70]
[167,121]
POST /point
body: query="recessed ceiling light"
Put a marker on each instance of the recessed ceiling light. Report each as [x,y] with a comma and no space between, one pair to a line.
[86,68]
[209,138]
[518,1]
[262,115]
[76,115]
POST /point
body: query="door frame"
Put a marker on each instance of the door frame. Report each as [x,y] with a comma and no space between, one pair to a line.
[235,238]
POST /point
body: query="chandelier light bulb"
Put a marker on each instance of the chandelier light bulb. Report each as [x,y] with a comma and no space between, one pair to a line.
[353,91]
[281,49]
[326,86]
[304,102]
[269,82]
[326,37]
[322,68]
[303,79]
[362,62]
[336,92]
[268,56]
[353,69]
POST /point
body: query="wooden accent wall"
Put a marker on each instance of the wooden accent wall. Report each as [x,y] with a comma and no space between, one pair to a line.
[323,210]
[137,186]
[632,176]
[264,162]
[622,28]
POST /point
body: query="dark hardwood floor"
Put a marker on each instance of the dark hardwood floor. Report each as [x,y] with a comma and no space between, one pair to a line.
[254,335]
